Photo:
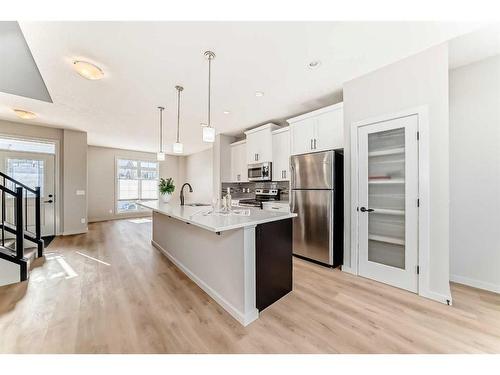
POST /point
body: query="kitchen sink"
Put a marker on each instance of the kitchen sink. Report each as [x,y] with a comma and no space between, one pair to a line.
[197,204]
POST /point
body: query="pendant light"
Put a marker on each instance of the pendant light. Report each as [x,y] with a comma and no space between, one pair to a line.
[208,130]
[160,156]
[178,147]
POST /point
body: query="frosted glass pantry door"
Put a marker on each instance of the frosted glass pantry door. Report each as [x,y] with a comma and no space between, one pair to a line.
[387,196]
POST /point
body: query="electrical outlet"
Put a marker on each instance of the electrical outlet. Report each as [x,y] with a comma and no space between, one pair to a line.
[110,211]
[82,220]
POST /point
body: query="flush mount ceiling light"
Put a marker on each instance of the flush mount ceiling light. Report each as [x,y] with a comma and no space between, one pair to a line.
[226,112]
[178,147]
[208,131]
[259,94]
[314,64]
[160,156]
[25,115]
[88,70]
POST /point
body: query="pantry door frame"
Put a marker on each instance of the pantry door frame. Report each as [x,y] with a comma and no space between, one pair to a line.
[423,189]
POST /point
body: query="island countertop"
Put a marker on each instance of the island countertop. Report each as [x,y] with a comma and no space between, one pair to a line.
[215,223]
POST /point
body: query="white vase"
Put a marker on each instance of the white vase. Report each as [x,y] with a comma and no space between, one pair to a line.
[166,197]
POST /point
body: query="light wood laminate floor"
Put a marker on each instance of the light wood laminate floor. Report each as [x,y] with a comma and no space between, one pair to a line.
[110,291]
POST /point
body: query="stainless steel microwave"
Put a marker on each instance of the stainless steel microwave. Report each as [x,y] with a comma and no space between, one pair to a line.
[260,172]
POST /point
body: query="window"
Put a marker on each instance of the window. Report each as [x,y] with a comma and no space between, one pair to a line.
[11,144]
[27,171]
[137,180]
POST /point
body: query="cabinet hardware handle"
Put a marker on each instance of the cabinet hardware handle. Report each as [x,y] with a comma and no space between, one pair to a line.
[284,174]
[311,144]
[315,143]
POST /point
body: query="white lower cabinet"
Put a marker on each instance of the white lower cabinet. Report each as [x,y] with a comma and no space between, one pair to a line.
[238,162]
[276,206]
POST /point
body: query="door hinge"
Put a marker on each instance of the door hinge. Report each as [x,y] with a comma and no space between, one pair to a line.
[418,270]
[418,136]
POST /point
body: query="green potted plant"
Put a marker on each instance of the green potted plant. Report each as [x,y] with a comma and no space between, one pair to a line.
[166,187]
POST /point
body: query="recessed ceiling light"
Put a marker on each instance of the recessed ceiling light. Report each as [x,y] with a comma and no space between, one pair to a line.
[314,64]
[226,112]
[259,93]
[88,70]
[25,115]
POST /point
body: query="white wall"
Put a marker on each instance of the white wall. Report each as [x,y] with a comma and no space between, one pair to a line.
[418,80]
[475,174]
[101,179]
[74,181]
[198,171]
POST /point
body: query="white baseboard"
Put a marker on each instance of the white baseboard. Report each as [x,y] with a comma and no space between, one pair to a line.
[70,233]
[244,319]
[475,283]
[120,217]
[443,298]
[348,270]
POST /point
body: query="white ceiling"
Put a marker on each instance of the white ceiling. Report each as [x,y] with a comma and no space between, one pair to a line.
[143,61]
[475,46]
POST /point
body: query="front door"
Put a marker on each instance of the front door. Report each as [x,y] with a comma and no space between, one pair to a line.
[32,169]
[387,202]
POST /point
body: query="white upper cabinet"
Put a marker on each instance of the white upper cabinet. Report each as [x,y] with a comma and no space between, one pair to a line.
[281,154]
[259,147]
[238,162]
[330,130]
[319,130]
[302,135]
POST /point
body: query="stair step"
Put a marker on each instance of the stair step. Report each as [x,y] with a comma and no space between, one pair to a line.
[29,254]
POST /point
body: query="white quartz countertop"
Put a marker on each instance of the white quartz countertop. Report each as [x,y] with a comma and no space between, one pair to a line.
[215,223]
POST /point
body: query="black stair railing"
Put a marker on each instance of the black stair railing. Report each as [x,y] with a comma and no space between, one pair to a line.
[20,193]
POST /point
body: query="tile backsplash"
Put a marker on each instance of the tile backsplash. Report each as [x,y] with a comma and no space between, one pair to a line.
[246,190]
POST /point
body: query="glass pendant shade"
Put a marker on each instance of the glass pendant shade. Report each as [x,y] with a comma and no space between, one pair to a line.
[160,156]
[208,134]
[178,148]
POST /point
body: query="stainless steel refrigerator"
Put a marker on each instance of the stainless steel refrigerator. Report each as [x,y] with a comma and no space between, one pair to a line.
[318,200]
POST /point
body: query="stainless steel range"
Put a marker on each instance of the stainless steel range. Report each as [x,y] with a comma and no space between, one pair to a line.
[261,195]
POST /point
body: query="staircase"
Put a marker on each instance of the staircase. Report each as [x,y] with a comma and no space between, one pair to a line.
[20,243]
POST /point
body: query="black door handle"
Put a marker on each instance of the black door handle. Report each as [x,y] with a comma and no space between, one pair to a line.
[49,201]
[364,209]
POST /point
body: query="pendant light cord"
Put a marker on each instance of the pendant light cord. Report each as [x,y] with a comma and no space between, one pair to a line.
[178,111]
[209,82]
[161,128]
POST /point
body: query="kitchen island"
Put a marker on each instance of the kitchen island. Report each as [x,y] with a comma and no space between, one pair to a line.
[243,261]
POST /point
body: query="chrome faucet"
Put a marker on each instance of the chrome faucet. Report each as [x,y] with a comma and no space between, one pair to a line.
[182,192]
